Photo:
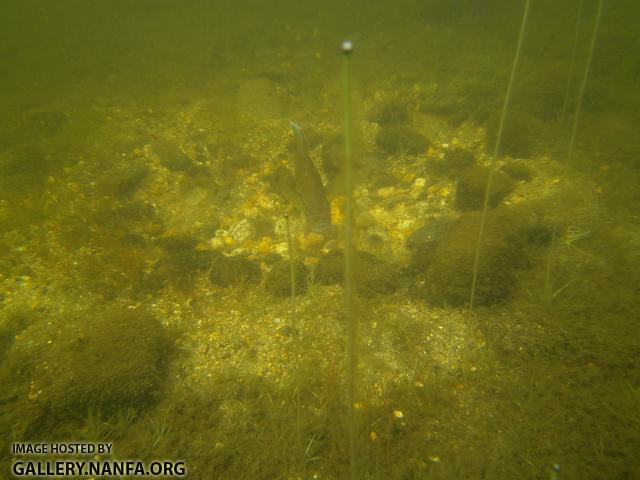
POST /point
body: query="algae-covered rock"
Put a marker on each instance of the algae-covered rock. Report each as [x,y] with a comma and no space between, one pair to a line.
[392,112]
[424,242]
[473,183]
[401,138]
[234,271]
[521,135]
[455,161]
[448,278]
[124,179]
[371,274]
[459,159]
[518,170]
[104,361]
[278,280]
[184,261]
[44,122]
[172,156]
[12,323]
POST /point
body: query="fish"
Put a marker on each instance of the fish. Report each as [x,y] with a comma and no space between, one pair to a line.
[310,189]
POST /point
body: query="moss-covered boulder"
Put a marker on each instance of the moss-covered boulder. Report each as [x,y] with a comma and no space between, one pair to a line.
[424,241]
[518,170]
[11,324]
[234,271]
[122,180]
[183,260]
[278,280]
[103,361]
[401,139]
[473,183]
[391,112]
[448,278]
[521,136]
[371,275]
[454,161]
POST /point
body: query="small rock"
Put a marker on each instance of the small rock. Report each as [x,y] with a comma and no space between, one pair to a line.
[241,231]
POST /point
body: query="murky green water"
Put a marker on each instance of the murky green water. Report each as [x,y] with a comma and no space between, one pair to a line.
[158,193]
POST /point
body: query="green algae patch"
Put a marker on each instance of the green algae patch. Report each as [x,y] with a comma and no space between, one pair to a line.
[96,361]
[448,279]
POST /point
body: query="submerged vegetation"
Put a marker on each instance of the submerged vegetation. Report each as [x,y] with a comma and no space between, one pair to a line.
[189,274]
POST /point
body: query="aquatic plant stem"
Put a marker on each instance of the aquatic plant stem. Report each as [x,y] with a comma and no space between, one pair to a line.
[292,275]
[547,292]
[496,152]
[583,84]
[572,64]
[297,328]
[347,48]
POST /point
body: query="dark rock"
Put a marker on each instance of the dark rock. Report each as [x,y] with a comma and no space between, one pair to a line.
[184,255]
[520,137]
[12,323]
[392,112]
[440,105]
[518,171]
[25,160]
[44,122]
[234,271]
[184,261]
[424,242]
[449,276]
[401,139]
[122,180]
[263,227]
[542,90]
[278,280]
[172,157]
[371,275]
[473,183]
[101,361]
[455,160]
[459,159]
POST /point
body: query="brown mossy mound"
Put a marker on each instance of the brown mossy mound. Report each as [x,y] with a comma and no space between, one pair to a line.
[521,136]
[424,242]
[401,138]
[101,361]
[184,261]
[448,278]
[371,274]
[391,112]
[278,280]
[473,183]
[234,271]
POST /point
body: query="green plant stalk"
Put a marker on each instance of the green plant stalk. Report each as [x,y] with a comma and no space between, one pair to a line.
[572,64]
[348,260]
[296,347]
[547,292]
[292,273]
[496,152]
[583,84]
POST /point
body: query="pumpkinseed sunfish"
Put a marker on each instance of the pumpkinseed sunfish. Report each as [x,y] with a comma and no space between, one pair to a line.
[309,187]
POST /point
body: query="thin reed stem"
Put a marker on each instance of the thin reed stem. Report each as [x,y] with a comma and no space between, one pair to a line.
[496,152]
